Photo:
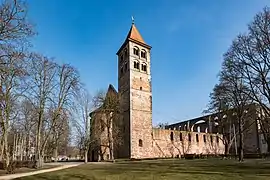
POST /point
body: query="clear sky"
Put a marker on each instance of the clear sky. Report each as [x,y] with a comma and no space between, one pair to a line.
[188,39]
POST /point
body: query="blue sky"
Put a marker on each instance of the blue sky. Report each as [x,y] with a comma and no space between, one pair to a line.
[188,39]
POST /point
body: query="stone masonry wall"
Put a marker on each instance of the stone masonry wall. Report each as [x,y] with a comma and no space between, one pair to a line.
[124,100]
[141,105]
[164,146]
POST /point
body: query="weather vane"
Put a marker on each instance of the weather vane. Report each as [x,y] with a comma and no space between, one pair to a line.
[132,18]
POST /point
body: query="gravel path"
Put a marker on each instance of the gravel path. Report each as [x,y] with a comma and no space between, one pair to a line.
[62,166]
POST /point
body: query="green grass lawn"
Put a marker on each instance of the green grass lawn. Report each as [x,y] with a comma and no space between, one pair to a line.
[177,169]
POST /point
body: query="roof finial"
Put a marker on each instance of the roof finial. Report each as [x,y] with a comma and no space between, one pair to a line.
[133,21]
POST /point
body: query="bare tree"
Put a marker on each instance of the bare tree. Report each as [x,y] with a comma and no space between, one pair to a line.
[67,83]
[13,22]
[13,71]
[41,83]
[82,109]
[233,94]
[250,56]
[28,121]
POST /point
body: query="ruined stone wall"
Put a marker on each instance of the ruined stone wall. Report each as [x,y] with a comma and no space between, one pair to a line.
[168,143]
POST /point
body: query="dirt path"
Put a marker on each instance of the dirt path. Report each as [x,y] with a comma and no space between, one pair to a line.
[62,166]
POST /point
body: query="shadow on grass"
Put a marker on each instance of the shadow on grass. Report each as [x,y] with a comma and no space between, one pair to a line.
[160,169]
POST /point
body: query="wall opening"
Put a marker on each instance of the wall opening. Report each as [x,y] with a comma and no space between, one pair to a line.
[136,51]
[189,137]
[126,67]
[217,139]
[140,143]
[171,136]
[181,137]
[143,54]
[136,65]
[197,138]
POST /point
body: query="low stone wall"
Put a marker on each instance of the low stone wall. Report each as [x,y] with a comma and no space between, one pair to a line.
[173,143]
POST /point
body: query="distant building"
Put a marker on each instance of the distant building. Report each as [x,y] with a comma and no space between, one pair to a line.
[138,137]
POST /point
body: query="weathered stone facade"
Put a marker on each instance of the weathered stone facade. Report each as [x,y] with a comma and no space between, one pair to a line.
[174,143]
[139,138]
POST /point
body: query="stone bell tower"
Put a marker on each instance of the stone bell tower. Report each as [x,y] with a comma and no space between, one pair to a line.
[135,92]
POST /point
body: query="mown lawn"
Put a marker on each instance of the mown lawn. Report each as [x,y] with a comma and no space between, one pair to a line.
[207,169]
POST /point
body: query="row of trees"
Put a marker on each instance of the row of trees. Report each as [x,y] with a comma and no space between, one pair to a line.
[244,78]
[42,103]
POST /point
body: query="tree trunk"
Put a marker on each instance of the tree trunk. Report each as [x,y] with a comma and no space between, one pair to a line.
[2,149]
[241,141]
[38,149]
[86,155]
[21,148]
[268,144]
[226,150]
[55,153]
[6,150]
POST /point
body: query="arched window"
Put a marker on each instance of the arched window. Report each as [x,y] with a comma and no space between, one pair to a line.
[143,54]
[140,143]
[181,137]
[197,138]
[136,65]
[189,137]
[144,67]
[136,51]
[171,136]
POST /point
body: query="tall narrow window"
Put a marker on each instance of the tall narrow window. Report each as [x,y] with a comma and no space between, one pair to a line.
[211,138]
[140,143]
[126,67]
[204,138]
[189,137]
[181,137]
[171,136]
[143,54]
[144,67]
[136,65]
[126,53]
[197,138]
[136,51]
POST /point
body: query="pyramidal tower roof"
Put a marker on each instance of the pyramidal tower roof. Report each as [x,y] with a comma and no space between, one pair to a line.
[134,36]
